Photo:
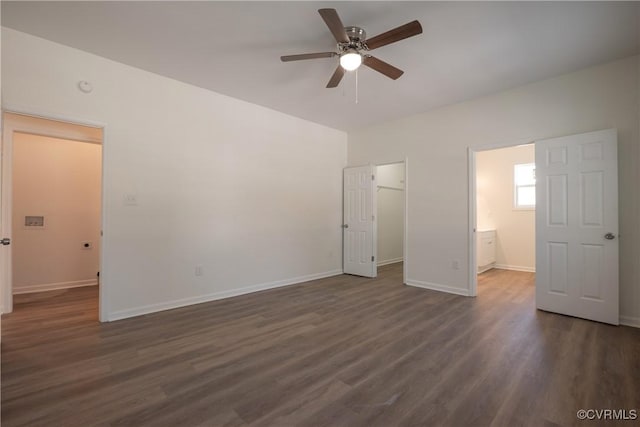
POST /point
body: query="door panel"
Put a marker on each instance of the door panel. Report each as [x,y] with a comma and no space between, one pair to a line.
[592,257]
[558,267]
[577,206]
[592,199]
[359,236]
[557,213]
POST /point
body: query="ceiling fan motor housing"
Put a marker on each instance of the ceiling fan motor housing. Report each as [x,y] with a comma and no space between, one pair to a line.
[357,36]
[356,33]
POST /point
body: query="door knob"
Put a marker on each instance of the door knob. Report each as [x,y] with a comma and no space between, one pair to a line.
[345,225]
[6,241]
[609,236]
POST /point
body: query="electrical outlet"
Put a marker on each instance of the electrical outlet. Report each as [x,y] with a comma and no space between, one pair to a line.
[198,270]
[455,264]
[87,245]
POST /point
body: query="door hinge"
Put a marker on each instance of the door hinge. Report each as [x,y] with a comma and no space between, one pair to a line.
[373,217]
[373,258]
[373,177]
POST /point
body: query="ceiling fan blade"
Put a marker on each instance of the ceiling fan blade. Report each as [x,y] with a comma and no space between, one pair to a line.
[302,56]
[382,67]
[399,33]
[337,76]
[334,23]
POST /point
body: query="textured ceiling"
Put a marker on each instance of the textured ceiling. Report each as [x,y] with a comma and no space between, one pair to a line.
[467,49]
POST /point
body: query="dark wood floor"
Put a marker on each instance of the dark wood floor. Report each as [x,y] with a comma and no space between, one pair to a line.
[343,351]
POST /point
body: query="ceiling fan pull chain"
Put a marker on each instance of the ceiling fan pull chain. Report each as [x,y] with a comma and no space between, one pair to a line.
[356,85]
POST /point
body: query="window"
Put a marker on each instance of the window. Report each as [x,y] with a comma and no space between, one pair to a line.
[525,186]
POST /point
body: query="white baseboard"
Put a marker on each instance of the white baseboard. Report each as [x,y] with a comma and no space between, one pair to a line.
[53,286]
[515,268]
[152,308]
[483,268]
[390,261]
[437,287]
[630,321]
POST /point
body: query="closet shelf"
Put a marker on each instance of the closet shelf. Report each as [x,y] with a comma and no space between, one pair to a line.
[390,188]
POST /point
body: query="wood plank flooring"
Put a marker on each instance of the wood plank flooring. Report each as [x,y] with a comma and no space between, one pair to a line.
[342,351]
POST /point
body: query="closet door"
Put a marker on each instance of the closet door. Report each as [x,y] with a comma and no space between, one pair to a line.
[359,224]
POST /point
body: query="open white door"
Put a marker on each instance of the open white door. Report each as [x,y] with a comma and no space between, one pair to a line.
[577,226]
[359,236]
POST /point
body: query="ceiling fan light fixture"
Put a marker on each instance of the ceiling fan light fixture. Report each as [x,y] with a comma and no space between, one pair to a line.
[350,60]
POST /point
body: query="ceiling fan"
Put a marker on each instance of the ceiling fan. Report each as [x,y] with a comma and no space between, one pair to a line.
[353,47]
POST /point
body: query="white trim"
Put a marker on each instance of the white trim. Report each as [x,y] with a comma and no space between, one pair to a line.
[504,144]
[32,112]
[374,224]
[405,253]
[515,268]
[438,287]
[472,287]
[6,218]
[44,287]
[389,261]
[103,298]
[152,308]
[630,321]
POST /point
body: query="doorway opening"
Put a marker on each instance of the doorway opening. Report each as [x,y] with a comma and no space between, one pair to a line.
[576,223]
[51,212]
[390,200]
[504,222]
[375,218]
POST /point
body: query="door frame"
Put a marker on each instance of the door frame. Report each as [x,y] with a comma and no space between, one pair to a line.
[405,225]
[6,285]
[472,284]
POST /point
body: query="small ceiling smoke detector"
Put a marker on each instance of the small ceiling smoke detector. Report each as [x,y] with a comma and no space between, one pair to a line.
[85,86]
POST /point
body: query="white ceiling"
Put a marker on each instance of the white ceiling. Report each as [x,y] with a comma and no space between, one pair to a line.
[467,49]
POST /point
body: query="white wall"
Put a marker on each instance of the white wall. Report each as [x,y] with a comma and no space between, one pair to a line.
[390,179]
[60,180]
[515,228]
[436,144]
[250,194]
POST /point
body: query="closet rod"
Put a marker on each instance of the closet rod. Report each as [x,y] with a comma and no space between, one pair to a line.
[390,188]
